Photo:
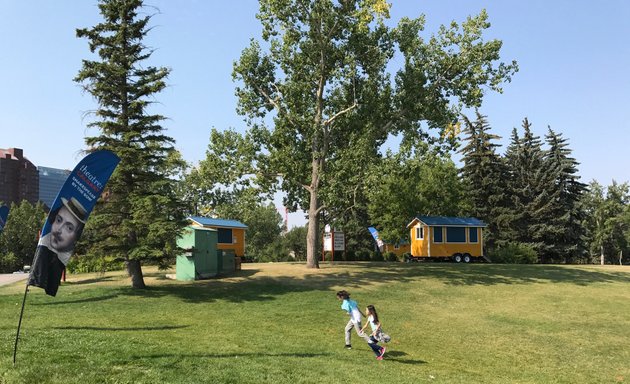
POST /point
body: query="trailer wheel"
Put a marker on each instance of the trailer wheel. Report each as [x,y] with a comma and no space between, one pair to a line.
[467,258]
[457,257]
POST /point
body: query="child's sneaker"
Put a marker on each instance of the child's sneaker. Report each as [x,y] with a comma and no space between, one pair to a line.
[379,357]
[348,346]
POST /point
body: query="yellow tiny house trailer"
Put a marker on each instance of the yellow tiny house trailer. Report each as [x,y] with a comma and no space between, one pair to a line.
[230,233]
[399,249]
[456,238]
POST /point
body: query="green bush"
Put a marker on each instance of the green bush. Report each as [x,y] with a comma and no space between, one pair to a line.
[86,264]
[514,253]
[405,257]
[391,256]
[9,263]
[349,256]
[376,256]
[363,255]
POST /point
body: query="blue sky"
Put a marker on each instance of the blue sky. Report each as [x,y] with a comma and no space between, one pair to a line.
[574,76]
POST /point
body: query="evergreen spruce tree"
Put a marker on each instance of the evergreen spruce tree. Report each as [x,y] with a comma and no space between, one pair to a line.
[531,192]
[483,175]
[514,218]
[568,216]
[142,216]
[541,195]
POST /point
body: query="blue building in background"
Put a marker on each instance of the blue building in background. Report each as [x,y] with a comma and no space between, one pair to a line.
[50,182]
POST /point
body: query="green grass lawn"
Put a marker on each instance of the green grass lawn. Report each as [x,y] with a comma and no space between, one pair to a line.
[281,323]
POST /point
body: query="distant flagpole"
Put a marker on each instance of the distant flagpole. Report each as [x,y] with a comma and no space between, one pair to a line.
[71,208]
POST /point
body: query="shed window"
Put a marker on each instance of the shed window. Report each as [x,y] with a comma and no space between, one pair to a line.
[437,235]
[419,233]
[455,235]
[224,235]
[472,235]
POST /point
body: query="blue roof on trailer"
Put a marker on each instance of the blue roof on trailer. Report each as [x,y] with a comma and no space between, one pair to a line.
[223,223]
[448,221]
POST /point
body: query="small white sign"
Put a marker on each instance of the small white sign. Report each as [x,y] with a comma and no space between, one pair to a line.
[328,242]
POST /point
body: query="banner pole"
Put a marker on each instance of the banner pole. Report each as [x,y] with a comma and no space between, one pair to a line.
[17,335]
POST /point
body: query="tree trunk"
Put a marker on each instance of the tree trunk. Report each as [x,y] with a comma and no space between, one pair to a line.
[601,257]
[311,235]
[134,270]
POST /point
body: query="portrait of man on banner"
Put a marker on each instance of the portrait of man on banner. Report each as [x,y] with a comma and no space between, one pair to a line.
[67,218]
[61,232]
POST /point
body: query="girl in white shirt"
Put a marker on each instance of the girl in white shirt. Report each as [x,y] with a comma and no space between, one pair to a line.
[372,320]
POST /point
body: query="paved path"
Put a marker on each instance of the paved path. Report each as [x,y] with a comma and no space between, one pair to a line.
[8,278]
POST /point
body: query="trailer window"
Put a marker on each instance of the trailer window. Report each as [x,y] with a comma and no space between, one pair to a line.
[472,235]
[455,234]
[437,235]
[419,233]
[224,236]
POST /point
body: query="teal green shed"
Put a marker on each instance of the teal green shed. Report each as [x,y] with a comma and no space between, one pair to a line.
[200,259]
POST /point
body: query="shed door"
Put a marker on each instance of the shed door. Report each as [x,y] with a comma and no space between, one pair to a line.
[202,254]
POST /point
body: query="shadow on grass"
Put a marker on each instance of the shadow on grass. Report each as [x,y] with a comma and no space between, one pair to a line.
[78,301]
[396,356]
[159,328]
[494,274]
[228,355]
[90,281]
[359,275]
[362,274]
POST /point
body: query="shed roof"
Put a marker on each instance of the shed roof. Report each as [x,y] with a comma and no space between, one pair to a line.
[223,223]
[448,221]
[198,228]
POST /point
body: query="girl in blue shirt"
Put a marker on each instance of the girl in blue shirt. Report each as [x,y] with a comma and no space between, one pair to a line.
[351,307]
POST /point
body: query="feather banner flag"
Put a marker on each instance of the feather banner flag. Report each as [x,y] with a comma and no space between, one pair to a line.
[375,235]
[4,213]
[67,218]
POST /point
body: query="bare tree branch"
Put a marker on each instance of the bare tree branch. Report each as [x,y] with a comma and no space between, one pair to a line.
[343,111]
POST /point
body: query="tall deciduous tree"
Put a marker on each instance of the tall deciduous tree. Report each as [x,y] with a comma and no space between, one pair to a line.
[323,77]
[225,184]
[295,242]
[607,220]
[18,240]
[264,222]
[142,217]
[227,175]
[407,184]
